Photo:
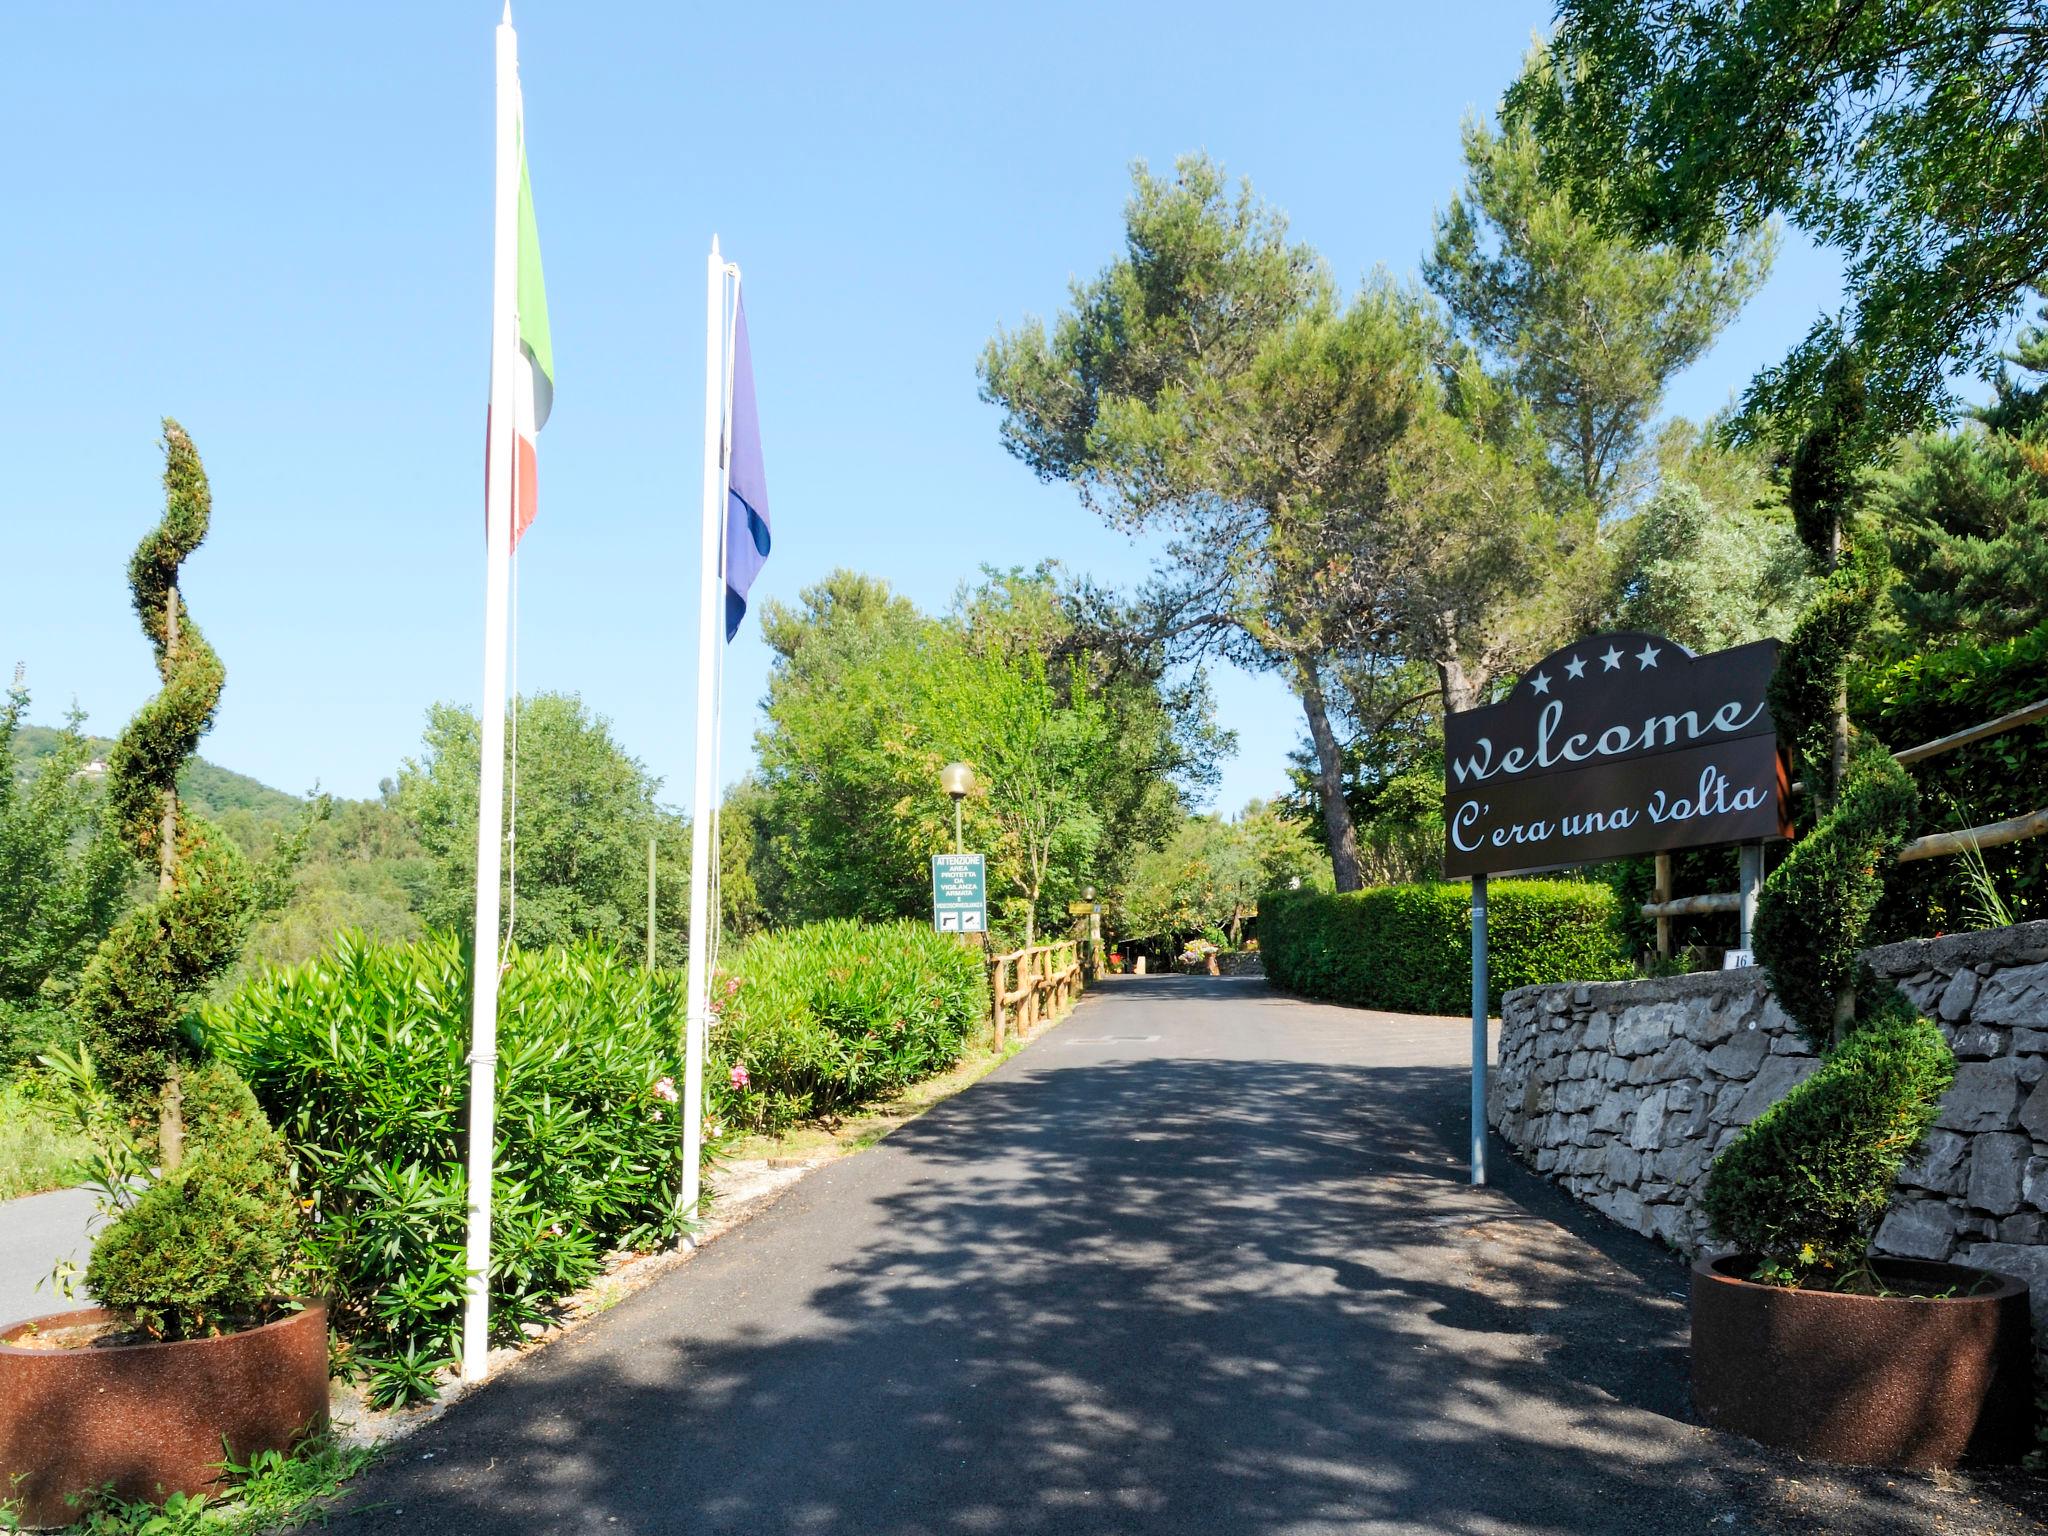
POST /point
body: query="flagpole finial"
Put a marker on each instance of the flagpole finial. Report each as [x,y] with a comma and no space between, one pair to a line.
[506,19]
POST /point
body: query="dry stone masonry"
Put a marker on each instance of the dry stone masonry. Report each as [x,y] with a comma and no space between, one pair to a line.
[1624,1092]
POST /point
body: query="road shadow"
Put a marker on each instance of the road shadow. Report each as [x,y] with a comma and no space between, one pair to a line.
[1159,1295]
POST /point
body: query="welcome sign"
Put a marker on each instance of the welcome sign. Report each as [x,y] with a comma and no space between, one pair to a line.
[1619,745]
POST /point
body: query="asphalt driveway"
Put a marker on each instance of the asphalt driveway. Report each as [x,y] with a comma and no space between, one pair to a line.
[1202,1259]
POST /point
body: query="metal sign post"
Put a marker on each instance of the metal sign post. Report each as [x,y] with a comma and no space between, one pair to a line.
[1479,1029]
[959,893]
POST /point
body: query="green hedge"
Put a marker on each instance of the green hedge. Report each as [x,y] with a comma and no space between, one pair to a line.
[1409,947]
[358,1057]
[818,1019]
[1933,695]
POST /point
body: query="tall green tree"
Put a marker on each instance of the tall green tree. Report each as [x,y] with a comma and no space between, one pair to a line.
[1208,874]
[1903,134]
[1966,513]
[1074,750]
[1587,327]
[1488,567]
[1211,385]
[63,880]
[837,753]
[1706,575]
[582,812]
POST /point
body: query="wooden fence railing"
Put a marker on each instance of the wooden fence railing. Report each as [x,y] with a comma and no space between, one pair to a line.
[1046,978]
[1933,846]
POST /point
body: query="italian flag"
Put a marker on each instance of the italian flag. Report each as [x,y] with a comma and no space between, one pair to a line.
[533,371]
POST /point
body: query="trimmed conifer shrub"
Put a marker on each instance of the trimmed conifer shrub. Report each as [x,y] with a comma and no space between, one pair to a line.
[214,1245]
[1807,1184]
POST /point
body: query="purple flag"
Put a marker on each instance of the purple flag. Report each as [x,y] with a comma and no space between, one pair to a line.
[746,505]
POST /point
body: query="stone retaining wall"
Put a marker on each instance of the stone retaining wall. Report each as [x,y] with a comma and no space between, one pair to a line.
[1623,1092]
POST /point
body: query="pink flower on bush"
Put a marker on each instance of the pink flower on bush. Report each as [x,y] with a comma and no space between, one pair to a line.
[657,1116]
[739,1075]
[732,985]
[666,1089]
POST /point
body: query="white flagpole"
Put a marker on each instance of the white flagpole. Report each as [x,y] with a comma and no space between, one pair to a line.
[490,826]
[710,641]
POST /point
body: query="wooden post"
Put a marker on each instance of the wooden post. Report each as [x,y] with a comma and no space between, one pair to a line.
[1663,894]
[996,996]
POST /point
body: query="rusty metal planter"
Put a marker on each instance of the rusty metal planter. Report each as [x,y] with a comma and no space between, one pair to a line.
[1894,1381]
[151,1419]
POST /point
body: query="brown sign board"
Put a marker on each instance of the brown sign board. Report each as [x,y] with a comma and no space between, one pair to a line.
[1618,745]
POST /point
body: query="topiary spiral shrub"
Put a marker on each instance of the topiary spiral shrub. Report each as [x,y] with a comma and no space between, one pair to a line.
[137,989]
[359,1056]
[1408,947]
[819,1019]
[214,1245]
[1804,1187]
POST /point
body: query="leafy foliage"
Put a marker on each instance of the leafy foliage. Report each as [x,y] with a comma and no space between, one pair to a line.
[63,880]
[359,1056]
[581,821]
[1408,947]
[818,1019]
[215,1244]
[1814,912]
[1588,326]
[1211,874]
[1805,1186]
[1926,696]
[868,699]
[1708,576]
[1900,133]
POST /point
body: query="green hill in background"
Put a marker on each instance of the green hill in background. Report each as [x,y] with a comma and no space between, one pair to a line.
[363,868]
[208,788]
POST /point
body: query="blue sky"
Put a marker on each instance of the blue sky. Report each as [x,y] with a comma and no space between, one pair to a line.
[273,223]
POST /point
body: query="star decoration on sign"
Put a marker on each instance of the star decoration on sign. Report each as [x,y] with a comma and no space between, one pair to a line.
[1576,667]
[1647,656]
[1610,660]
[1540,682]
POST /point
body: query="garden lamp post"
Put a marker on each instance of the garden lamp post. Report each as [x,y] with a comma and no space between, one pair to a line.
[957,780]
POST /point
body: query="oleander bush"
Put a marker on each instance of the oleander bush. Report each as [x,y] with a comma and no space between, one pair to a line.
[1409,947]
[359,1058]
[819,1019]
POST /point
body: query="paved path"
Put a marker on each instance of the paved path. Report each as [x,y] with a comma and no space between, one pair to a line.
[35,1232]
[1200,1260]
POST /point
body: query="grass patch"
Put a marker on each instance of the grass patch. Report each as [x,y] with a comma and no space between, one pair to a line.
[274,1492]
[37,1150]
